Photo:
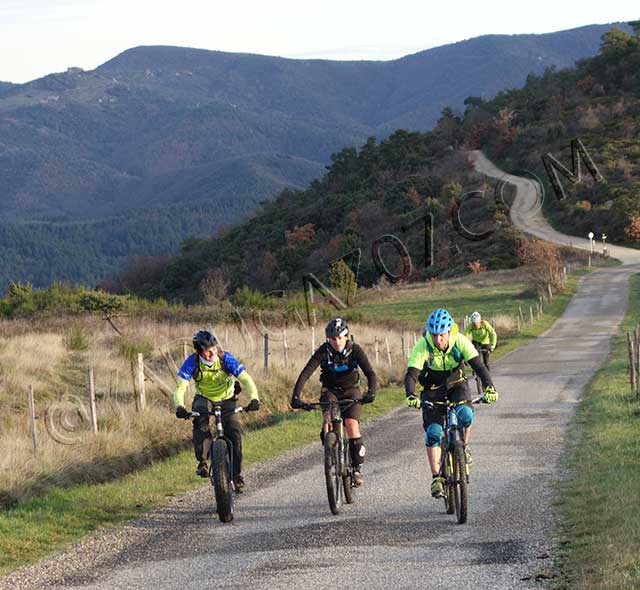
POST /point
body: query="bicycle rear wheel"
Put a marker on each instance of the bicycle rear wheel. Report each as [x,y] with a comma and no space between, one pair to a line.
[332,474]
[460,482]
[347,475]
[221,479]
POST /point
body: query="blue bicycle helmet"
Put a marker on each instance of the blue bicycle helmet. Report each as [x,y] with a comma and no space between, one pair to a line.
[439,321]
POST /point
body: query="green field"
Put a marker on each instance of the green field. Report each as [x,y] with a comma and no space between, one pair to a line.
[600,500]
[490,301]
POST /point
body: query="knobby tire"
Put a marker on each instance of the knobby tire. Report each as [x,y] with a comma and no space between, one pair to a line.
[332,475]
[346,475]
[460,482]
[221,480]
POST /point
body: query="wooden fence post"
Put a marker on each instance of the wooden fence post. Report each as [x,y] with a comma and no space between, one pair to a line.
[266,354]
[285,348]
[313,339]
[404,353]
[377,351]
[386,343]
[520,314]
[32,414]
[531,314]
[637,359]
[141,396]
[91,391]
[632,357]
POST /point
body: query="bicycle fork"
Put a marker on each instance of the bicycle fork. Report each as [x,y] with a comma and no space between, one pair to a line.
[455,437]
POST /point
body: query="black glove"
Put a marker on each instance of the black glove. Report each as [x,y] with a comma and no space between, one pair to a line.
[181,412]
[368,397]
[296,403]
[253,406]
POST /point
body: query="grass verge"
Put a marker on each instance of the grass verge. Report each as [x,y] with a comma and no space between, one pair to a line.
[49,523]
[600,500]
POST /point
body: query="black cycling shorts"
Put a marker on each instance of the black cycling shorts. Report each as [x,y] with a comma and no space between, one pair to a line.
[352,411]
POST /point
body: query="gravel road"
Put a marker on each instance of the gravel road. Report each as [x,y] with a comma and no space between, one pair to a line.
[395,535]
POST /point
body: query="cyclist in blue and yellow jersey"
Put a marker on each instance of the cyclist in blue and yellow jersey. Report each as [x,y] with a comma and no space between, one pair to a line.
[339,359]
[218,376]
[482,336]
[437,363]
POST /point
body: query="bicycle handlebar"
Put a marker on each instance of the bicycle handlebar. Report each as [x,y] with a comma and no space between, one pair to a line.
[476,400]
[308,406]
[198,414]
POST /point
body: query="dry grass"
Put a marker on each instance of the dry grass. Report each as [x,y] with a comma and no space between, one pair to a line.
[57,370]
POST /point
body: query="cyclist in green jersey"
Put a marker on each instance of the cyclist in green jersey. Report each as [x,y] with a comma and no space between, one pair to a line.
[218,376]
[482,336]
[437,363]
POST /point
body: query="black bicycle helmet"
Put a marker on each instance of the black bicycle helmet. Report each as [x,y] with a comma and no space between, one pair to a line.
[203,340]
[337,327]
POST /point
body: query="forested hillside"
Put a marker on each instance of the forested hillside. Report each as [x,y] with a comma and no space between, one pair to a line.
[381,189]
[385,186]
[598,102]
[159,133]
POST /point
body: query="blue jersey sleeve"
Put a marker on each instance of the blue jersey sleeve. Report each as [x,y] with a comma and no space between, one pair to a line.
[232,364]
[187,368]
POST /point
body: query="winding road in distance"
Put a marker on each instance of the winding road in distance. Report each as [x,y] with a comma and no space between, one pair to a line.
[284,536]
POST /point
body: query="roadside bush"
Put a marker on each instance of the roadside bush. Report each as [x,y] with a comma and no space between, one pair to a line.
[76,339]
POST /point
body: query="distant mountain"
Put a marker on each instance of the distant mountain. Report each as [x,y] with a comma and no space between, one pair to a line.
[5,87]
[178,128]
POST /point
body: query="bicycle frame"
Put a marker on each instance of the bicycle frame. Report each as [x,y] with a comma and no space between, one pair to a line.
[340,479]
[453,464]
[217,432]
[220,470]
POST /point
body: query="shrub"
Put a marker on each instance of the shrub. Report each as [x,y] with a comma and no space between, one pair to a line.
[76,339]
[130,347]
[545,262]
[251,298]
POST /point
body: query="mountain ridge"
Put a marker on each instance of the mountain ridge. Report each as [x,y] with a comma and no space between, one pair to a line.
[146,131]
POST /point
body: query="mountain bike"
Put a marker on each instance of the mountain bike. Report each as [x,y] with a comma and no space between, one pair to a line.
[453,462]
[338,468]
[220,463]
[476,377]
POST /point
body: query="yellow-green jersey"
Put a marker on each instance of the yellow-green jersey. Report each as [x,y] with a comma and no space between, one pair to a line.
[215,381]
[485,334]
[438,367]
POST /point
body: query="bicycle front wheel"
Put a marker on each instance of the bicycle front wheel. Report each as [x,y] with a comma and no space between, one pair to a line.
[446,471]
[346,475]
[460,482]
[221,480]
[332,473]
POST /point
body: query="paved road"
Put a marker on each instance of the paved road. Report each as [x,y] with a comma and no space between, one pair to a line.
[395,535]
[526,212]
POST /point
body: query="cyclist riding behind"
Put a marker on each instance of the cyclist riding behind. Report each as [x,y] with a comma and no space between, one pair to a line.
[482,336]
[214,372]
[437,363]
[339,358]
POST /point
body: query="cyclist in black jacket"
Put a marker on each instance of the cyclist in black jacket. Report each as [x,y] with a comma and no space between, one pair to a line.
[339,359]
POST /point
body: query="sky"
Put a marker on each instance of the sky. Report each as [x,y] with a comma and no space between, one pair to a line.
[39,37]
